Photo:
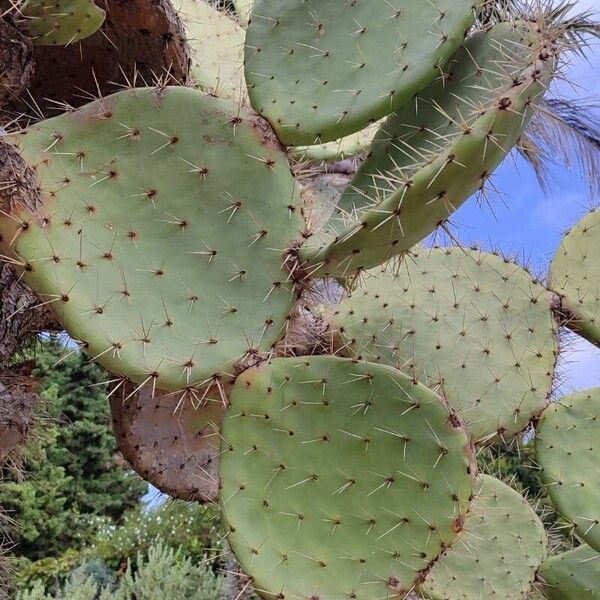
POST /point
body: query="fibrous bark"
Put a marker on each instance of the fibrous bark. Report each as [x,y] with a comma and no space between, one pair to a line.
[22,316]
[18,404]
[140,43]
[16,62]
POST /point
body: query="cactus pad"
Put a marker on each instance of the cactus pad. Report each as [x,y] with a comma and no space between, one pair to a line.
[575,274]
[166,262]
[319,71]
[498,552]
[217,43]
[471,325]
[172,443]
[243,9]
[62,22]
[432,155]
[341,149]
[568,452]
[573,575]
[340,479]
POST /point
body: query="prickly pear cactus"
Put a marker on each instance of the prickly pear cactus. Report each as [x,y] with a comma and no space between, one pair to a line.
[318,73]
[280,342]
[498,552]
[340,478]
[172,442]
[470,324]
[341,149]
[149,250]
[62,22]
[573,575]
[568,451]
[575,275]
[218,46]
[243,9]
[434,153]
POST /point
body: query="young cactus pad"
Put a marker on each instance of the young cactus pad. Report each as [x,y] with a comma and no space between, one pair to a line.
[498,552]
[575,274]
[432,155]
[469,324]
[340,479]
[345,147]
[158,233]
[318,70]
[172,443]
[217,43]
[62,22]
[568,451]
[574,575]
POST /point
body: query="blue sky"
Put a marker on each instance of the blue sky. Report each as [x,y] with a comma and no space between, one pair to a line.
[529,223]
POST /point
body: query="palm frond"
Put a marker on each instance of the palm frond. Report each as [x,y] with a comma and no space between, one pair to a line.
[567,133]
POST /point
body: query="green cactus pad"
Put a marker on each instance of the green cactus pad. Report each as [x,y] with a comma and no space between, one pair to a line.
[568,450]
[575,275]
[498,552]
[340,479]
[159,235]
[432,155]
[319,71]
[469,324]
[574,575]
[341,149]
[217,43]
[62,22]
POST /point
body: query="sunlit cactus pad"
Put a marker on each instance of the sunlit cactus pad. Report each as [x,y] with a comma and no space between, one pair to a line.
[319,70]
[497,554]
[467,323]
[340,479]
[242,9]
[575,274]
[160,235]
[568,451]
[574,575]
[433,154]
[217,43]
[62,22]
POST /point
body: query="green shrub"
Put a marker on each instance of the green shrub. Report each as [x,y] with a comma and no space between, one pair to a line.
[193,528]
[164,573]
[49,572]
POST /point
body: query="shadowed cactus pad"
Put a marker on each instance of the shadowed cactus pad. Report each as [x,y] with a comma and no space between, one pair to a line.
[340,479]
[498,552]
[574,575]
[217,43]
[575,274]
[433,154]
[568,452]
[158,232]
[473,326]
[172,442]
[62,22]
[318,70]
